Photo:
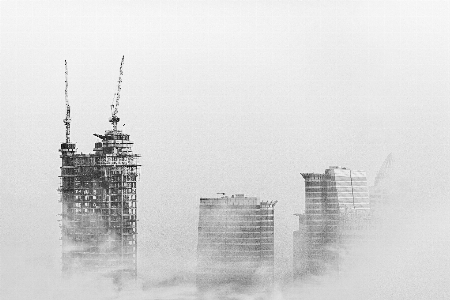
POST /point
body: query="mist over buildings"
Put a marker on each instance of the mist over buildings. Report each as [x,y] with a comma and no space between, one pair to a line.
[229,96]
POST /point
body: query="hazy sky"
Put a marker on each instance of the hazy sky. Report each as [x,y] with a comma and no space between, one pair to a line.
[219,96]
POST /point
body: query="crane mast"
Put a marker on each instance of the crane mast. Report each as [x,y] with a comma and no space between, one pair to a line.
[114,107]
[384,170]
[67,119]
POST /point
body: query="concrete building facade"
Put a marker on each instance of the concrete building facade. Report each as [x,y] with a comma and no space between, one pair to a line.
[99,211]
[235,241]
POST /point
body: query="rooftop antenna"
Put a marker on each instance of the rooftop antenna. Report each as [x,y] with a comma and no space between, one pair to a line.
[67,119]
[114,106]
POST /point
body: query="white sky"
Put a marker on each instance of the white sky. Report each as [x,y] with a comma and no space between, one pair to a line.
[219,96]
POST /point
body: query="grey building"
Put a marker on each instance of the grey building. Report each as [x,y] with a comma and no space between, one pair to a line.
[235,241]
[337,210]
[99,213]
[98,197]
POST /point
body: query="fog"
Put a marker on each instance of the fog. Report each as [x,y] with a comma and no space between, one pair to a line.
[235,97]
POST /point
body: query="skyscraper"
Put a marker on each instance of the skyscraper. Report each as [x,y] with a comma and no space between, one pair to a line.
[235,241]
[336,212]
[98,196]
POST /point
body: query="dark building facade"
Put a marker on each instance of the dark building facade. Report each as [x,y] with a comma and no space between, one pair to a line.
[235,241]
[98,196]
[99,211]
[337,210]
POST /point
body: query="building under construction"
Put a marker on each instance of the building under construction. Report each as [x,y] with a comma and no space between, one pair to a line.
[235,242]
[98,195]
[337,213]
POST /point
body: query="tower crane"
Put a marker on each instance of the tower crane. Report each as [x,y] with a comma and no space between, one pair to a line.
[67,119]
[384,170]
[114,106]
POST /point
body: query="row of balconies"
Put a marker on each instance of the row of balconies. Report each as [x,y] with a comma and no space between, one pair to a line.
[100,219]
[97,230]
[235,228]
[321,240]
[204,211]
[228,247]
[87,192]
[221,236]
[225,218]
[230,207]
[228,269]
[332,207]
[101,259]
[229,223]
[97,233]
[233,252]
[100,202]
[340,188]
[97,214]
[234,247]
[253,240]
[103,239]
[321,212]
[225,235]
[209,258]
[209,235]
[112,249]
[98,189]
[94,209]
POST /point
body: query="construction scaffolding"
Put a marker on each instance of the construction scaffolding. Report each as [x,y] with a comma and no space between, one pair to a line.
[99,205]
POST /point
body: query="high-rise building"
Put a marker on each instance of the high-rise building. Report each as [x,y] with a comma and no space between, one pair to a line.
[98,196]
[235,241]
[336,212]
